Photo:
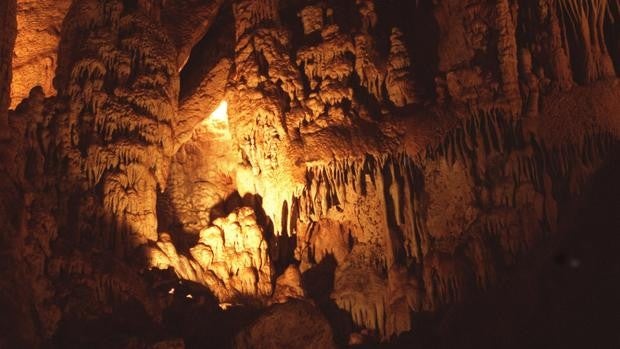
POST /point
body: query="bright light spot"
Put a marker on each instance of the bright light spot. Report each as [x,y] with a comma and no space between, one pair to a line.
[221,113]
[171,291]
[217,122]
[225,306]
[189,296]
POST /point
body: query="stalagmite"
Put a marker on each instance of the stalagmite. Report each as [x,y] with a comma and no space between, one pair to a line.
[288,286]
[230,258]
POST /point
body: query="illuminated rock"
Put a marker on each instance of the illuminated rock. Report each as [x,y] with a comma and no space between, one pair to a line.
[385,162]
[398,82]
[288,286]
[311,18]
[230,258]
[35,57]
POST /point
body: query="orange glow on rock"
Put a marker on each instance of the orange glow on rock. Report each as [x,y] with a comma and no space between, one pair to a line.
[219,116]
[217,122]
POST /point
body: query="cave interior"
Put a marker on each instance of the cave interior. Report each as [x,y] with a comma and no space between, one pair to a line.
[309,174]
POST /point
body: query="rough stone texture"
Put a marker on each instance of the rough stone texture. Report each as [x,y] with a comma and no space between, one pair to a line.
[313,156]
[125,128]
[36,48]
[7,42]
[295,324]
[288,286]
[230,258]
[197,15]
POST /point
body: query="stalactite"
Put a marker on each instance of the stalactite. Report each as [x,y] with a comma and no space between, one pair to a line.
[398,81]
[368,13]
[344,174]
[560,64]
[587,19]
[126,133]
[507,46]
[530,85]
[515,208]
[370,75]
[248,14]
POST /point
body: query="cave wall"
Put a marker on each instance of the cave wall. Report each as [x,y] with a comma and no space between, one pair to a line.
[7,13]
[256,149]
[35,55]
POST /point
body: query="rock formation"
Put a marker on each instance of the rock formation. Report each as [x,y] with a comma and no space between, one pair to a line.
[230,258]
[263,173]
[35,56]
[7,43]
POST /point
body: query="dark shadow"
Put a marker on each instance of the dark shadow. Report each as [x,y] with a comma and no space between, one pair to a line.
[396,237]
[576,48]
[421,32]
[199,319]
[562,294]
[612,33]
[218,43]
[319,284]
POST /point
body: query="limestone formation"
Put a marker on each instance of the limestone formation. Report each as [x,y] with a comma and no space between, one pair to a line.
[263,173]
[35,57]
[311,18]
[230,258]
[296,324]
[398,82]
[288,286]
[587,19]
[7,42]
[125,132]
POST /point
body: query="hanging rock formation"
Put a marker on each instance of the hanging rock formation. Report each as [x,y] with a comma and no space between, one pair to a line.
[307,174]
[121,134]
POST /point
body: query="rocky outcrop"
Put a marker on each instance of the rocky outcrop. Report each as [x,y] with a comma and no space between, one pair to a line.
[121,135]
[294,324]
[7,42]
[230,258]
[35,57]
[323,178]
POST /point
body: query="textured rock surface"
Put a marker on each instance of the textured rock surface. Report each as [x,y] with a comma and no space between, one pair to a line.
[7,44]
[372,166]
[295,324]
[36,56]
[230,258]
